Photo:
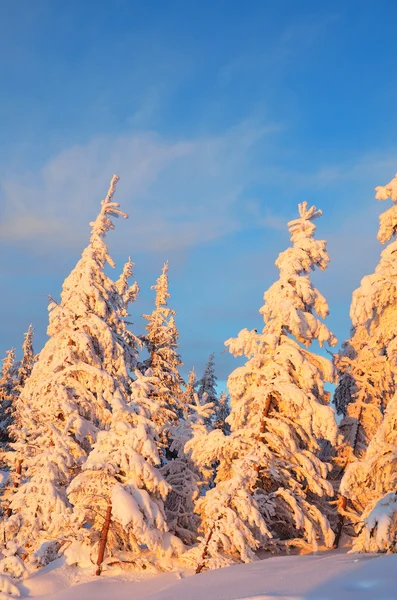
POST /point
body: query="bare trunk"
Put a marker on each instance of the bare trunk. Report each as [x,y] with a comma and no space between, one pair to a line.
[265,413]
[356,434]
[343,499]
[262,428]
[339,528]
[104,537]
[205,551]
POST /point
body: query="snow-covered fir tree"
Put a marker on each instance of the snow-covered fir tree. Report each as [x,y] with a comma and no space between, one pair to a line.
[270,481]
[207,383]
[121,472]
[365,387]
[28,358]
[231,522]
[12,381]
[370,486]
[187,481]
[222,412]
[379,533]
[69,395]
[164,361]
[127,292]
[8,394]
[368,362]
[189,393]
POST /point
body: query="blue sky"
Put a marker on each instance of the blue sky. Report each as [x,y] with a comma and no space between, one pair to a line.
[219,118]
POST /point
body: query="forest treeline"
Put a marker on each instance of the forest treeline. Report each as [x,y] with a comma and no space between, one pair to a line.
[111,458]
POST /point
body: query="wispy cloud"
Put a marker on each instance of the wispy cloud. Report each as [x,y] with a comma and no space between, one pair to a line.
[178,193]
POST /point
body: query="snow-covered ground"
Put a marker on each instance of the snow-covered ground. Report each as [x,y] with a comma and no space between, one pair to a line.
[324,576]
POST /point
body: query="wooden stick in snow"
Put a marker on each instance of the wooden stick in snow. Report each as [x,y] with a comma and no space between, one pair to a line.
[104,537]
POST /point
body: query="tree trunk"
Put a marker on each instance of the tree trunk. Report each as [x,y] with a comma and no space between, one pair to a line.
[16,486]
[356,434]
[262,428]
[104,537]
[343,504]
[341,521]
[205,551]
[265,413]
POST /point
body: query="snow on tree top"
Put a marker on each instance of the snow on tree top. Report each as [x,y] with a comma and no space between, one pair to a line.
[291,301]
[103,223]
[383,192]
[303,227]
[378,291]
[161,287]
[388,220]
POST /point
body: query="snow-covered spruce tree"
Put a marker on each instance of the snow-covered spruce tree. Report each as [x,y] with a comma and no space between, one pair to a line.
[222,412]
[185,478]
[370,486]
[121,472]
[164,361]
[365,387]
[379,533]
[8,394]
[367,363]
[279,416]
[69,395]
[127,292]
[189,393]
[207,384]
[13,378]
[28,358]
[231,522]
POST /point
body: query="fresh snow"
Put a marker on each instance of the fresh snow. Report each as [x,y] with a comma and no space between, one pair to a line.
[379,521]
[366,391]
[87,429]
[271,484]
[324,576]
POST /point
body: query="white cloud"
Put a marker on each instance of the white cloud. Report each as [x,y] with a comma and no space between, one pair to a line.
[178,193]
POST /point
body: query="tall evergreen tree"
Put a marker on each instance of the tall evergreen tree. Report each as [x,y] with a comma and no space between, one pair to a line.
[28,358]
[207,384]
[186,479]
[365,387]
[189,393]
[370,486]
[164,361]
[128,293]
[367,364]
[270,482]
[120,472]
[8,394]
[222,411]
[69,396]
[13,378]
